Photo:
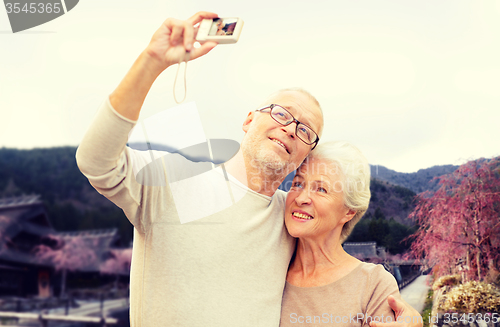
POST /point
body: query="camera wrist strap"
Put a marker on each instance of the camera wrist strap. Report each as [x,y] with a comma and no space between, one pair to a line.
[186,59]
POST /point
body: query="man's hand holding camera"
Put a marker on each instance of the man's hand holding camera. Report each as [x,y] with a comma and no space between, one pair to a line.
[168,46]
[175,38]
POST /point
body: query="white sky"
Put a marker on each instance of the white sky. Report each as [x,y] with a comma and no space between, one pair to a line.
[412,83]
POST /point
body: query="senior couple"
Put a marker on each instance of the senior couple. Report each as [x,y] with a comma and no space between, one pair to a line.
[241,266]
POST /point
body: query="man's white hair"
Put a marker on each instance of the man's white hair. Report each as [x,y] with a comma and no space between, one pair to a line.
[306,93]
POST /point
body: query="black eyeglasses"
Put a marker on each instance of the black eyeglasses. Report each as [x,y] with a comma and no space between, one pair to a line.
[285,118]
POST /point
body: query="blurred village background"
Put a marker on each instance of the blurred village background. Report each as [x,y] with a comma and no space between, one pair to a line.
[65,250]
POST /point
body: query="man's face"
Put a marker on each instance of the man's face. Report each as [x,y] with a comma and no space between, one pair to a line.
[274,145]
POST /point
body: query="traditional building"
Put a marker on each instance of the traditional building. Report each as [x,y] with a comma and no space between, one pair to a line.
[25,228]
[365,250]
[23,224]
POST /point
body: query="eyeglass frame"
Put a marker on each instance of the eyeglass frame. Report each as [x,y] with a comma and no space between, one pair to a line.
[297,123]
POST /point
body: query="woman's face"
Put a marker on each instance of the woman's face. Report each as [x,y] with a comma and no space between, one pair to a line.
[315,205]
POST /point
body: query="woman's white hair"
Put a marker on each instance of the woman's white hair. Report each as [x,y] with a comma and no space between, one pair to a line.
[354,171]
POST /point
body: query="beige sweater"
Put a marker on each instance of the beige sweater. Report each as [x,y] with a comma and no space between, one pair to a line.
[225,267]
[348,301]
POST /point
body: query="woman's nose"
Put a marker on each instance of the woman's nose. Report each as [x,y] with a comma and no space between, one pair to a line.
[303,198]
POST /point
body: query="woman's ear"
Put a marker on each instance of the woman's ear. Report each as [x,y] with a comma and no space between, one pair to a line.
[248,120]
[349,215]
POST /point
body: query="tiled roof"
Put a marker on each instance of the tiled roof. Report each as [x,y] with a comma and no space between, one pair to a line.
[19,201]
[364,249]
[20,230]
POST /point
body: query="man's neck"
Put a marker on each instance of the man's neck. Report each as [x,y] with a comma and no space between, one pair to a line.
[257,178]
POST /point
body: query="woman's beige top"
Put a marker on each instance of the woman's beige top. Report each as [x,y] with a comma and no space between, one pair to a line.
[353,300]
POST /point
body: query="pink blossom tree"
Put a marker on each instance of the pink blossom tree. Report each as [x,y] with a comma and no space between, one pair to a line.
[67,254]
[460,222]
[118,264]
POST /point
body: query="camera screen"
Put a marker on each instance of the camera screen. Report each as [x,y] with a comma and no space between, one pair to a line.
[223,26]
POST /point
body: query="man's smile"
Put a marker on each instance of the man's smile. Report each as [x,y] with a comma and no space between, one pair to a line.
[281,144]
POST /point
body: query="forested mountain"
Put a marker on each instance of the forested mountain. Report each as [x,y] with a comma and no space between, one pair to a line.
[386,221]
[73,204]
[418,182]
[390,201]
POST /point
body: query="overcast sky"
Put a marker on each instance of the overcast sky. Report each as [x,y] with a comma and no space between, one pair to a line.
[412,83]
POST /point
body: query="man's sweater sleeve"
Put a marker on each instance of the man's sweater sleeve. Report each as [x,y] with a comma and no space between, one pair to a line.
[106,161]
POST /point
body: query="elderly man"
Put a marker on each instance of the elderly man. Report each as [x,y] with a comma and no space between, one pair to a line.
[227,268]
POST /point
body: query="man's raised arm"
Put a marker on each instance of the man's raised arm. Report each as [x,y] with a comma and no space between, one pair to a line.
[168,46]
[102,155]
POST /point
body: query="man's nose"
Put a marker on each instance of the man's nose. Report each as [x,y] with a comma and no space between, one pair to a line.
[289,129]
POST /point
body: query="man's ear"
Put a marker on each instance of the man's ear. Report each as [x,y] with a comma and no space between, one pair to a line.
[248,120]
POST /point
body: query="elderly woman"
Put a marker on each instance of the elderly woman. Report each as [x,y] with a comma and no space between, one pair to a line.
[325,285]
